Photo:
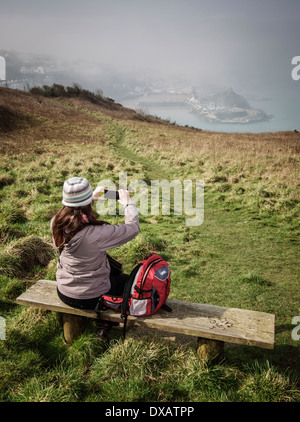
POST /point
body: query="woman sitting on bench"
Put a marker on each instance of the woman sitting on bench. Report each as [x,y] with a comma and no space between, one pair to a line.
[83,270]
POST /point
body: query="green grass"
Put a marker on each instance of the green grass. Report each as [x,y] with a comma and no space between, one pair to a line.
[245,255]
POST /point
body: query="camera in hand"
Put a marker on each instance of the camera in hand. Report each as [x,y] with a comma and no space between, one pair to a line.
[111,194]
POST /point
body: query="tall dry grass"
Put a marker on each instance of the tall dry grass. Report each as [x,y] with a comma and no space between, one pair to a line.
[270,155]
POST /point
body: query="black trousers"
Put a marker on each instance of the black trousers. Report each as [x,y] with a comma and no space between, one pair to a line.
[117,281]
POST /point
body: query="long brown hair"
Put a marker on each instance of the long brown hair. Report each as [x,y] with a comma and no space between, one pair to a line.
[69,221]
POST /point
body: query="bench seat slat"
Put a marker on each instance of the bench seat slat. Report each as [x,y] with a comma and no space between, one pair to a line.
[213,322]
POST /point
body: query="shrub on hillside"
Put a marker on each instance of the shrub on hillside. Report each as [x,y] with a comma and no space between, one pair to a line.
[57,90]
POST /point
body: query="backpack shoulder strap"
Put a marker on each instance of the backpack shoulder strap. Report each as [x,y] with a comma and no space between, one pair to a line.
[127,290]
[126,296]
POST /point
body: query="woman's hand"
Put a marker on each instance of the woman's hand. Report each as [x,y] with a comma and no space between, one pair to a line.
[124,197]
[96,193]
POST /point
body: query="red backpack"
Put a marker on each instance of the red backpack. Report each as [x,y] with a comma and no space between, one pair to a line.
[146,290]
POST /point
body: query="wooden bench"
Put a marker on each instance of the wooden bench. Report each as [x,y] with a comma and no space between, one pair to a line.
[212,325]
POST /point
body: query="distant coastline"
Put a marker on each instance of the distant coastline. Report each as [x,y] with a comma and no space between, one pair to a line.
[227,107]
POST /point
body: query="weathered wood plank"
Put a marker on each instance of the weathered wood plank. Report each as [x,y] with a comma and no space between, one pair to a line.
[208,321]
[43,295]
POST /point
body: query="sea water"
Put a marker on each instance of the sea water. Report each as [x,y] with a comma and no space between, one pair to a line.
[286,112]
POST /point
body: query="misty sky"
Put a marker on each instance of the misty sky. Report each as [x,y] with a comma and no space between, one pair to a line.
[231,42]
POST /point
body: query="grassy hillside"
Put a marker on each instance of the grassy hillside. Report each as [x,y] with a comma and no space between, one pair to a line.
[245,254]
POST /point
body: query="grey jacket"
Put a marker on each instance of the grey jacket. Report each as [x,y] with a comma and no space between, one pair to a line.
[83,269]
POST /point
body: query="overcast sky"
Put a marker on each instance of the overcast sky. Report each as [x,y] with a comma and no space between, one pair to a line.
[231,42]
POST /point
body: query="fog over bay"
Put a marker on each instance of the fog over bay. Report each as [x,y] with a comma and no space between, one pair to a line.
[246,45]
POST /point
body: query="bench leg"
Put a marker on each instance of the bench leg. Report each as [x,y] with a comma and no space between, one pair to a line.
[210,350]
[73,326]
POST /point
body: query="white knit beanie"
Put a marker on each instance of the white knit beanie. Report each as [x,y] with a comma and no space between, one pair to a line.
[77,192]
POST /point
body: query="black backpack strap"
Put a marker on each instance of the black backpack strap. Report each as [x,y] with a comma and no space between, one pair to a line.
[99,307]
[124,327]
[166,307]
